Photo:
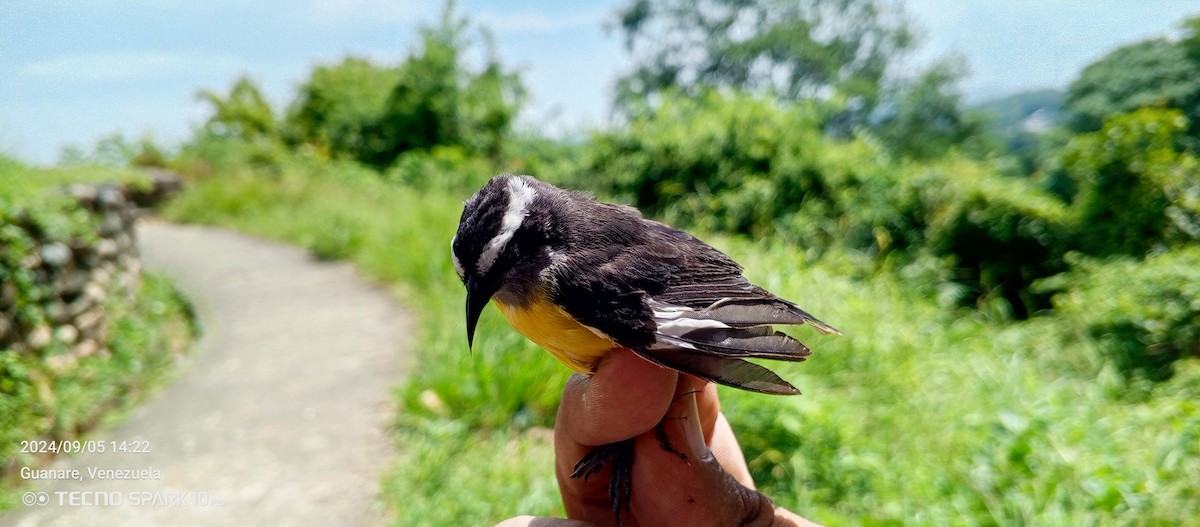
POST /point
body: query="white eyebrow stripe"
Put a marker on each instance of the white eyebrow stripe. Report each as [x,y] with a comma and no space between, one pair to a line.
[520,195]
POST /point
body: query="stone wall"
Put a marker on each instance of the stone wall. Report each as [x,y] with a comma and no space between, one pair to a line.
[77,278]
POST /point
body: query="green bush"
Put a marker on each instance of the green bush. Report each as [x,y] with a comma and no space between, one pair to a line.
[1144,316]
[1157,72]
[244,113]
[442,168]
[1002,233]
[751,165]
[374,114]
[336,108]
[1138,190]
[690,155]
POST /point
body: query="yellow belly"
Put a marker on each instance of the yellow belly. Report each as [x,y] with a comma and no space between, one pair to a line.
[548,326]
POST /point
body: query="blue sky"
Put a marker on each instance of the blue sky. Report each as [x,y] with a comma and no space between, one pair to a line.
[72,71]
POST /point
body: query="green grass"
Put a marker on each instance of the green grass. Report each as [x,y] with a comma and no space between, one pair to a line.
[929,416]
[447,473]
[19,182]
[921,414]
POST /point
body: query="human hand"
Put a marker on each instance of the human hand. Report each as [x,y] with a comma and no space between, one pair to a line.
[629,397]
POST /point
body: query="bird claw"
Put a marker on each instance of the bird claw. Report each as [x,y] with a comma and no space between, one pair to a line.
[620,484]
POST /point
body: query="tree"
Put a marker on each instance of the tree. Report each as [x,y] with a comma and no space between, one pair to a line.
[374,114]
[797,50]
[338,104]
[244,113]
[841,52]
[438,101]
[1156,72]
[1137,190]
[924,118]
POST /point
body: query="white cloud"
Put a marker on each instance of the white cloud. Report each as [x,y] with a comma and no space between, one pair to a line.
[528,22]
[127,65]
[368,11]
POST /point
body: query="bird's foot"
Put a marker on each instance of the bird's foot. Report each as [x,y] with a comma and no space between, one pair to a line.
[620,454]
[620,484]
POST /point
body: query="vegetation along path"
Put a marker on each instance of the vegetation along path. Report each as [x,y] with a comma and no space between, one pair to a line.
[280,416]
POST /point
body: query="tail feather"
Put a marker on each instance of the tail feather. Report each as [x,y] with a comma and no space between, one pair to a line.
[760,342]
[743,313]
[732,372]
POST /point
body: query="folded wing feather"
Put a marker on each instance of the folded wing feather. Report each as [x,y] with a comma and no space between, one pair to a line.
[712,342]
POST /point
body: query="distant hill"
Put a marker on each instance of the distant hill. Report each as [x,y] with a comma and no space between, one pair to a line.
[1033,111]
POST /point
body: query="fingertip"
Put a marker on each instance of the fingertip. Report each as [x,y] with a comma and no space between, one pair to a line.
[532,521]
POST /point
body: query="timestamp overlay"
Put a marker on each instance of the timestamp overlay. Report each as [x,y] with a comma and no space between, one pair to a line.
[278,417]
[117,473]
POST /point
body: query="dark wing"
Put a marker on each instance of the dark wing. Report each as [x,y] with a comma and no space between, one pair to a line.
[680,303]
[712,285]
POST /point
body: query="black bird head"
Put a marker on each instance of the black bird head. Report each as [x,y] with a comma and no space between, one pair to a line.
[501,245]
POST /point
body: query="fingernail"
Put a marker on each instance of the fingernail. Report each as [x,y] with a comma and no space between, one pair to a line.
[693,435]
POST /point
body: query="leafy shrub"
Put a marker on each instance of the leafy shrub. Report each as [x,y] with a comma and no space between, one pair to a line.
[689,153]
[751,165]
[339,104]
[445,168]
[373,114]
[1144,315]
[115,151]
[208,154]
[744,164]
[338,238]
[1137,189]
[1153,72]
[244,113]
[1002,233]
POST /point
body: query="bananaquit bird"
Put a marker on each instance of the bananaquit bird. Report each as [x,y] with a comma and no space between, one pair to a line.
[581,278]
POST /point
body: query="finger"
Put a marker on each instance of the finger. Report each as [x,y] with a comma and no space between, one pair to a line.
[725,448]
[709,406]
[696,491]
[626,396]
[530,521]
[719,435]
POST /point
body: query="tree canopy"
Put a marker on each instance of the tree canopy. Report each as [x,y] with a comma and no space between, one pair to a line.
[1158,72]
[357,109]
[841,52]
[815,48]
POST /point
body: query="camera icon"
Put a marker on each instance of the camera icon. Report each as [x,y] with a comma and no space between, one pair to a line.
[35,498]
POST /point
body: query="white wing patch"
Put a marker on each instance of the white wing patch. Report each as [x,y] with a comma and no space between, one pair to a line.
[677,321]
[520,195]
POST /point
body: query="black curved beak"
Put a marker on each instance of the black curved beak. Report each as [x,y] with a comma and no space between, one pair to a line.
[478,295]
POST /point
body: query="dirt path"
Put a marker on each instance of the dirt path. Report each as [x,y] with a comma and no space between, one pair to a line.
[279,417]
